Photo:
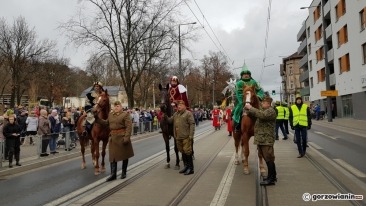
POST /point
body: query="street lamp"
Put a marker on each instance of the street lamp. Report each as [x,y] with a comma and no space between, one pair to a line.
[327,70]
[180,49]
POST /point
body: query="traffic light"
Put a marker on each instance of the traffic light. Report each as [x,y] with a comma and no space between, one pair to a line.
[273,92]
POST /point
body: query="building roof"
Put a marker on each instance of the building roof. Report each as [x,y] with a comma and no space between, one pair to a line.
[112,90]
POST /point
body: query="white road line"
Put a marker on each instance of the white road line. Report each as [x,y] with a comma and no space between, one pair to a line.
[315,145]
[223,190]
[350,168]
[321,133]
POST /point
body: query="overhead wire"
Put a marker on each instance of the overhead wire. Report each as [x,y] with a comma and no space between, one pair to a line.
[266,38]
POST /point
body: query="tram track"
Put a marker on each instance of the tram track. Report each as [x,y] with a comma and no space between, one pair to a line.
[101,190]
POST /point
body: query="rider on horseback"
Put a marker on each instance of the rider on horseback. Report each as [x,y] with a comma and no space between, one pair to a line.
[246,80]
[177,91]
[92,99]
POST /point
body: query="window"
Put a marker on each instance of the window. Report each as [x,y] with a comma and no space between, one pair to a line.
[311,65]
[290,70]
[344,63]
[316,13]
[363,18]
[319,54]
[309,32]
[318,33]
[364,53]
[342,35]
[309,49]
[311,82]
[321,75]
[340,9]
[291,84]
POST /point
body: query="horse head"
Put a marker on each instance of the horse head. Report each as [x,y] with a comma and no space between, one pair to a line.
[165,106]
[249,96]
[103,107]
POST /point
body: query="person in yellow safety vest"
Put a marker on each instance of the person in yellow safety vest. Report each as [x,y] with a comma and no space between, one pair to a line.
[280,111]
[300,121]
[287,114]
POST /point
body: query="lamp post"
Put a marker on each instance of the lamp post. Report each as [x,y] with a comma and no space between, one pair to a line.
[180,49]
[327,70]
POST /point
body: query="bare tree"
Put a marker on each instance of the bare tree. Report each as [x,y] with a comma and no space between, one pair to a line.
[137,35]
[19,48]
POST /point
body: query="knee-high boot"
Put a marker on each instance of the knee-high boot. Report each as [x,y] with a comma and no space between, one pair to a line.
[190,169]
[124,169]
[272,174]
[113,172]
[184,158]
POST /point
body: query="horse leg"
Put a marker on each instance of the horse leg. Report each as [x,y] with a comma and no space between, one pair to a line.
[105,142]
[96,158]
[261,164]
[177,160]
[246,154]
[236,143]
[82,145]
[167,149]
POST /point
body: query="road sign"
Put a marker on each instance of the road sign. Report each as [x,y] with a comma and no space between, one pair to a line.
[329,93]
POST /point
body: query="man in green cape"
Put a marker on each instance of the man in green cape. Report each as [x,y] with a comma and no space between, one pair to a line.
[246,80]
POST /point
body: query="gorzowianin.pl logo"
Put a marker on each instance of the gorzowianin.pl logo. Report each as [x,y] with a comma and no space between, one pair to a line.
[315,197]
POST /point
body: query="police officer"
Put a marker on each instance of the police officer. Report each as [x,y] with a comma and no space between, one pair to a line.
[184,127]
[300,121]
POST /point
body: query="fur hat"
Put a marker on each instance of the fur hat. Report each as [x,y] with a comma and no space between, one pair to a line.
[175,78]
[98,83]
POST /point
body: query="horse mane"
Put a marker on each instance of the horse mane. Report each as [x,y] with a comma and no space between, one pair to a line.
[165,101]
[107,106]
[254,98]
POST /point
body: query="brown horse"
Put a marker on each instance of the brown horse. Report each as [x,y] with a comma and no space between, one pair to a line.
[166,128]
[99,132]
[243,136]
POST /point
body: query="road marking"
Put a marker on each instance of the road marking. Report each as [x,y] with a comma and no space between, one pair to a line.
[223,190]
[315,145]
[321,133]
[350,168]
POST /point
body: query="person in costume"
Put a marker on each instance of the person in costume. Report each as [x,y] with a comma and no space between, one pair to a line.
[216,118]
[228,120]
[246,80]
[177,91]
[92,98]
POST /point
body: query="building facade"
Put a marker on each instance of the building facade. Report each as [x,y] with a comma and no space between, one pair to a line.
[345,47]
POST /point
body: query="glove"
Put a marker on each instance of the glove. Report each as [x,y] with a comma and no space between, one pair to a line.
[126,140]
[309,127]
[292,127]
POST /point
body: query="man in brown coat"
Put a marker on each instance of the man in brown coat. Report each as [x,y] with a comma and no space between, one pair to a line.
[184,127]
[120,147]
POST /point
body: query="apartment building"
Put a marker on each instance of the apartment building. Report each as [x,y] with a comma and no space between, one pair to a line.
[291,73]
[345,41]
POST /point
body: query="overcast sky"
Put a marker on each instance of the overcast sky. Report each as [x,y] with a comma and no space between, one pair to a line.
[240,25]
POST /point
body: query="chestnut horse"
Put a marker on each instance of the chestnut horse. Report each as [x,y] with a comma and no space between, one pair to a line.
[99,132]
[243,136]
[166,128]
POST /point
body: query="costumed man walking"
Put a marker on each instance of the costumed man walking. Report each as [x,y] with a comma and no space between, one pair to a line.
[216,118]
[264,136]
[300,121]
[229,120]
[120,146]
[184,128]
[280,111]
[246,80]
[92,99]
[177,91]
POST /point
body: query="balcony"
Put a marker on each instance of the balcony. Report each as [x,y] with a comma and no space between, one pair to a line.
[330,56]
[305,91]
[328,32]
[302,33]
[332,79]
[304,76]
[303,61]
[302,47]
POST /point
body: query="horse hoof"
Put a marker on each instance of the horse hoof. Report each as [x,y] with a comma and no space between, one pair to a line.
[96,173]
[167,166]
[83,166]
[236,162]
[102,170]
[176,167]
[246,172]
[263,172]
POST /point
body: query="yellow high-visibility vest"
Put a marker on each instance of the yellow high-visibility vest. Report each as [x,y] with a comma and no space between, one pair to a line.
[300,117]
[281,112]
[287,113]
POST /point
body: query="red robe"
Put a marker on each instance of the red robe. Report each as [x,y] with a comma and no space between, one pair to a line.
[216,118]
[229,120]
[178,92]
